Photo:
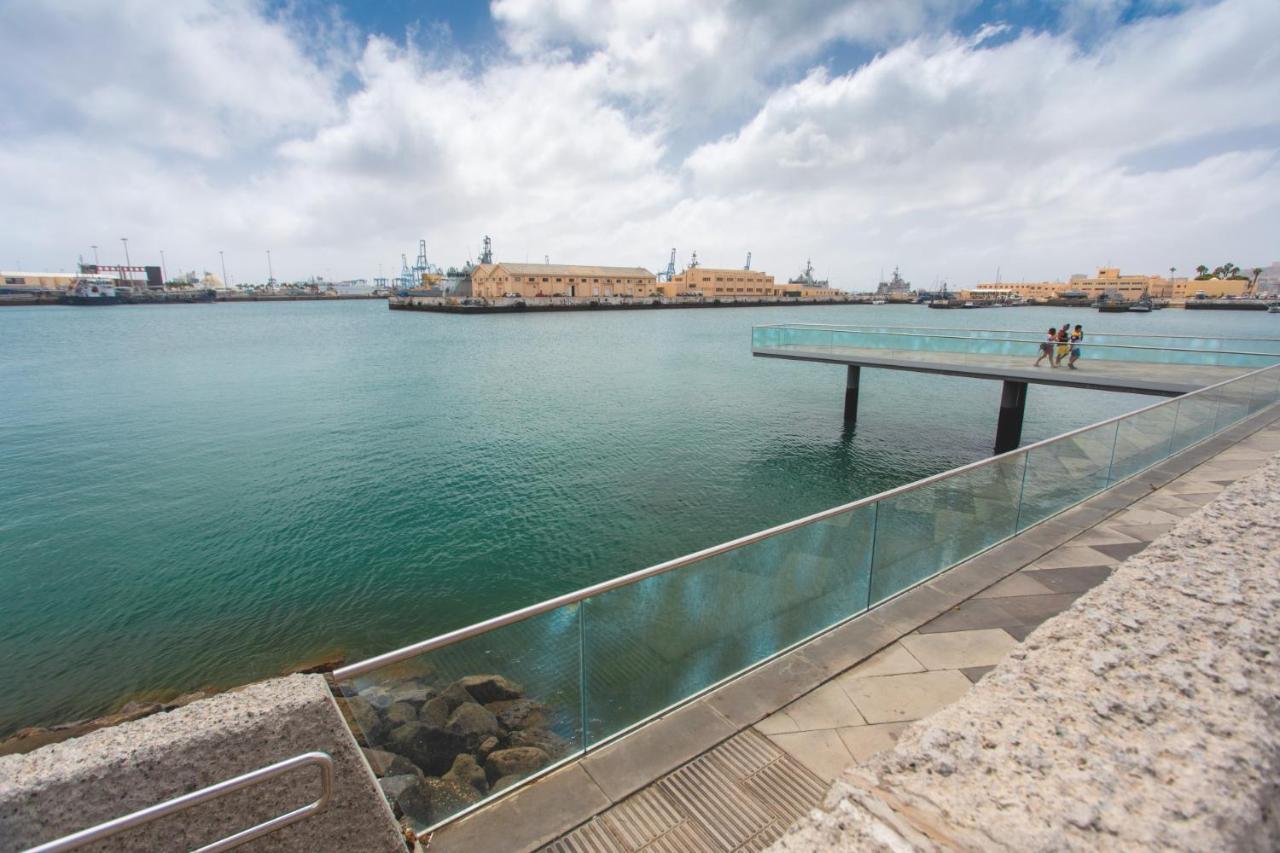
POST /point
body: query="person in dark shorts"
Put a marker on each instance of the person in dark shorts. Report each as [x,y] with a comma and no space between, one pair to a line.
[1064,344]
[1077,335]
[1046,348]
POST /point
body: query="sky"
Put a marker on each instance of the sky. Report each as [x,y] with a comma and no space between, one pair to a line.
[955,139]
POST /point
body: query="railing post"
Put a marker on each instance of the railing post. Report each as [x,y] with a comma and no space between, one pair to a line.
[852,379]
[1013,404]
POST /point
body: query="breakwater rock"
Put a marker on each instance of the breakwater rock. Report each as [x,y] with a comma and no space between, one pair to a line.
[438,750]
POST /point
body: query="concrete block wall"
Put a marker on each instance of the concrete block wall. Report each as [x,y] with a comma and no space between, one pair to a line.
[69,786]
[1146,716]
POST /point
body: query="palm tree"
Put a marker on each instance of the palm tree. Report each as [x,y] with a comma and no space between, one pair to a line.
[1253,285]
[1202,270]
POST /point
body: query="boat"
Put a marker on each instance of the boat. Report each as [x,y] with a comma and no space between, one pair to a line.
[92,290]
[806,278]
[879,301]
[1273,308]
[1140,307]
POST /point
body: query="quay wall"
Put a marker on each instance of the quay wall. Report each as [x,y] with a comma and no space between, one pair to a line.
[535,308]
[1146,716]
[70,786]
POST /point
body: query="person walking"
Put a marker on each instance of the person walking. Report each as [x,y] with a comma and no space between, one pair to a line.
[1064,343]
[1077,335]
[1046,348]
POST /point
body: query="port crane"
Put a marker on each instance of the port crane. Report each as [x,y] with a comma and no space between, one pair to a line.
[693,262]
[486,254]
[670,271]
[747,265]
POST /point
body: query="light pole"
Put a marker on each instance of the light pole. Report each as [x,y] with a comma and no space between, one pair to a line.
[95,255]
[164,278]
[271,276]
[127,264]
[225,285]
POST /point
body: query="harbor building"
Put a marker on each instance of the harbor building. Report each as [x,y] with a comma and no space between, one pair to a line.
[737,284]
[528,281]
[38,280]
[1110,281]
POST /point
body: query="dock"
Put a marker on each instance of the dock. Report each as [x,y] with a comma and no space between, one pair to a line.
[1130,364]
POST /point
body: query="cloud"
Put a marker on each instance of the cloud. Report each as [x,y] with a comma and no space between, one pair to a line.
[610,132]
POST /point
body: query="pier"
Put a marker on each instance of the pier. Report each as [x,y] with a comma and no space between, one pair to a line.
[1133,364]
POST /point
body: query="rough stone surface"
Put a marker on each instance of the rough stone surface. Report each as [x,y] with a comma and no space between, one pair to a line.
[519,761]
[112,772]
[490,688]
[466,771]
[430,747]
[520,713]
[1146,716]
[473,724]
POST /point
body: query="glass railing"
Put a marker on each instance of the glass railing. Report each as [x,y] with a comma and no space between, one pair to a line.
[460,718]
[833,341]
[1183,342]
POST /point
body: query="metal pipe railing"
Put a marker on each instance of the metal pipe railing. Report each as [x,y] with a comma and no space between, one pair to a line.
[151,813]
[398,655]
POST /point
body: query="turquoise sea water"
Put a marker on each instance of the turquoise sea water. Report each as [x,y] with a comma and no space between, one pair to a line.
[203,495]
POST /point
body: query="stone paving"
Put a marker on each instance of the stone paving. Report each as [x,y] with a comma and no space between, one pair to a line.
[741,793]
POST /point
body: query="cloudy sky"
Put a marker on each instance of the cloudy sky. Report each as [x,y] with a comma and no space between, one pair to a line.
[950,137]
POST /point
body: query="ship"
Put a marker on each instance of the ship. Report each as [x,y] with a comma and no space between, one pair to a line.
[91,290]
[806,278]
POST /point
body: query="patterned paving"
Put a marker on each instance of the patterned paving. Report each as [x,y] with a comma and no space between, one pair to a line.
[743,793]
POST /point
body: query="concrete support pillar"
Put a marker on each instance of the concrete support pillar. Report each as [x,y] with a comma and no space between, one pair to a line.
[851,395]
[1013,404]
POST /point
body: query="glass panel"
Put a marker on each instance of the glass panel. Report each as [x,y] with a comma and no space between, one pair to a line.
[1267,388]
[656,642]
[1194,419]
[457,724]
[1142,440]
[1233,402]
[1066,472]
[921,532]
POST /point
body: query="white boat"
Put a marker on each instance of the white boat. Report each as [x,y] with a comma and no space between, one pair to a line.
[1273,309]
[92,290]
[879,301]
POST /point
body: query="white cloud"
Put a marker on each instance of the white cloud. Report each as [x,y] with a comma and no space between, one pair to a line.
[223,127]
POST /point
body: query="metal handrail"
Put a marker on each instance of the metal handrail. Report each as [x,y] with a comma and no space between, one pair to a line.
[143,816]
[1008,331]
[448,639]
[1092,346]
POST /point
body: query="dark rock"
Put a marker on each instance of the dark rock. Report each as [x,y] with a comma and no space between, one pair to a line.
[466,771]
[486,746]
[378,696]
[367,718]
[429,747]
[394,787]
[490,688]
[518,761]
[386,763]
[433,800]
[435,711]
[504,783]
[544,739]
[455,694]
[137,710]
[400,713]
[473,723]
[416,694]
[520,713]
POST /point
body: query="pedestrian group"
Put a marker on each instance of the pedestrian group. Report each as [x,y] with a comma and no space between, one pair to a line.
[1062,343]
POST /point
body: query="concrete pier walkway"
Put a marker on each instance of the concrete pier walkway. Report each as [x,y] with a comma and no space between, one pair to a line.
[731,770]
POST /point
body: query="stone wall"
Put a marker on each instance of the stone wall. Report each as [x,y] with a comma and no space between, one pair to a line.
[79,783]
[1146,716]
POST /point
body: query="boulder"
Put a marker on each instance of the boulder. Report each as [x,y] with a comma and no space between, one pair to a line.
[399,713]
[490,688]
[486,746]
[379,696]
[367,719]
[466,771]
[520,713]
[433,800]
[435,711]
[386,763]
[430,747]
[413,692]
[455,694]
[472,723]
[394,787]
[504,783]
[544,739]
[519,761]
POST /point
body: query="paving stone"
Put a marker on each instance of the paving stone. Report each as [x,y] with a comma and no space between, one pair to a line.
[891,660]
[1031,610]
[1075,579]
[1020,632]
[1101,535]
[899,698]
[1183,486]
[973,614]
[1146,516]
[1200,499]
[745,700]
[825,708]
[958,649]
[1021,583]
[845,645]
[656,748]
[821,751]
[1122,552]
[1143,532]
[913,608]
[1073,555]
[974,673]
[776,723]
[866,741]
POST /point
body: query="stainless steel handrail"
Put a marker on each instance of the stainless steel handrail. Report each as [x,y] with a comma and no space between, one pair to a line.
[1090,345]
[1006,331]
[447,639]
[168,807]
